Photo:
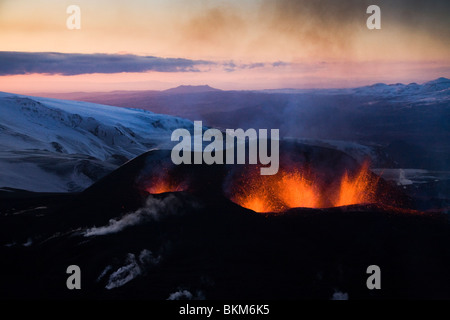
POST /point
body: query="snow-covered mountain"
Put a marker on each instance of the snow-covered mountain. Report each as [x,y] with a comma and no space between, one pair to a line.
[435,89]
[59,145]
[438,89]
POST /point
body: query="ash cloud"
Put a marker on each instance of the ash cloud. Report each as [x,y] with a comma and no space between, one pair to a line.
[318,26]
[309,25]
[215,27]
[315,28]
[333,21]
[14,63]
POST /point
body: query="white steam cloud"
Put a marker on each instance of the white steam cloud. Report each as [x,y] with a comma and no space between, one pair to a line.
[154,209]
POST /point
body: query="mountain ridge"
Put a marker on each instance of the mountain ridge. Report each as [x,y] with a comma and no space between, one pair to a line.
[183,89]
[186,89]
[59,145]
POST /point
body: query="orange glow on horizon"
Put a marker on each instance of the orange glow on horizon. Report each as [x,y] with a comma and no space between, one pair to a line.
[331,75]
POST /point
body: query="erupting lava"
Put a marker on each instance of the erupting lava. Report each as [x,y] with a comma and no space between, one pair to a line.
[300,188]
[164,184]
[277,193]
[297,191]
[293,186]
[360,189]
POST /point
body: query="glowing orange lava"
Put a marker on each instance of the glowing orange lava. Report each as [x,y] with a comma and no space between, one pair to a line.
[297,191]
[257,204]
[299,188]
[360,189]
[163,185]
[277,193]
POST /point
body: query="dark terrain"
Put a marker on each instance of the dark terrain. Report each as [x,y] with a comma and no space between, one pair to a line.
[198,240]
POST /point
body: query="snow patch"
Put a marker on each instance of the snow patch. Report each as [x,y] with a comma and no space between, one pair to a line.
[132,269]
[338,295]
[28,243]
[186,295]
[180,295]
[34,131]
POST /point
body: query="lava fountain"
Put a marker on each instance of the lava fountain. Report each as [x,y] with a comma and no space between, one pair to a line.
[164,181]
[162,186]
[358,189]
[292,188]
[276,193]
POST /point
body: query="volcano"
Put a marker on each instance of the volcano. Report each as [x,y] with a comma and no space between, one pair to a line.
[154,230]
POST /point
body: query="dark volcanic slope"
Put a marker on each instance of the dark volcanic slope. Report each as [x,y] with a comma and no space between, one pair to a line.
[132,245]
[217,250]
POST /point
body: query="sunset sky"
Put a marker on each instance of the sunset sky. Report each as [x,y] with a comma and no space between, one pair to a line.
[228,44]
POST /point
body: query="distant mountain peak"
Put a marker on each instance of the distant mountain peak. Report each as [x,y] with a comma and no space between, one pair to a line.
[438,85]
[191,89]
[377,85]
[440,80]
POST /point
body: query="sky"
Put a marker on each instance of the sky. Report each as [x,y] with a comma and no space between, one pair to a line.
[227,44]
